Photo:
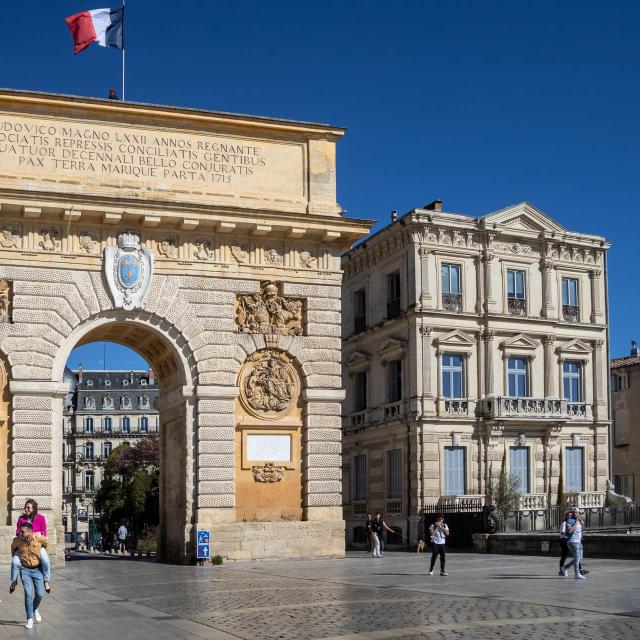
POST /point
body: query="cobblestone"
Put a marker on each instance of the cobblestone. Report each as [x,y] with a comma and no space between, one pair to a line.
[357,598]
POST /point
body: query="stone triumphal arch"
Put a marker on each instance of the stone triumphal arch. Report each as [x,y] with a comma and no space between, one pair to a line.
[210,244]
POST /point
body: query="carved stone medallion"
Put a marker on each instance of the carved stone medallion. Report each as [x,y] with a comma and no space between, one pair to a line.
[269,473]
[269,384]
[269,312]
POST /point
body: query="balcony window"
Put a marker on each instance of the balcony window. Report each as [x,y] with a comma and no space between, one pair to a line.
[454,471]
[394,474]
[517,371]
[107,448]
[88,481]
[359,311]
[451,287]
[570,303]
[519,467]
[395,381]
[393,295]
[360,477]
[88,425]
[516,293]
[574,474]
[106,425]
[88,450]
[572,381]
[144,424]
[361,390]
[125,424]
[452,375]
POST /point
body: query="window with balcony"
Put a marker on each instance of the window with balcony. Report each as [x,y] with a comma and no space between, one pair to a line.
[88,425]
[360,477]
[88,450]
[454,471]
[125,424]
[574,469]
[572,380]
[393,295]
[518,374]
[394,381]
[519,467]
[144,424]
[107,448]
[88,481]
[453,375]
[394,474]
[451,287]
[106,424]
[570,300]
[359,311]
[516,293]
[361,390]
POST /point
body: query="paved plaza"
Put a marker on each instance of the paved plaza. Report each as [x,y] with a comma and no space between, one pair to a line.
[357,598]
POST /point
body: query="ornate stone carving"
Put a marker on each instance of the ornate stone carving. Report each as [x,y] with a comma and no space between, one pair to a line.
[203,250]
[143,402]
[520,440]
[88,243]
[8,238]
[513,247]
[269,312]
[272,257]
[240,252]
[167,249]
[49,241]
[5,301]
[269,384]
[269,473]
[125,402]
[107,401]
[89,403]
[308,261]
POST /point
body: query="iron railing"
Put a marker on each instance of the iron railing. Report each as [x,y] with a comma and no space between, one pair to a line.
[570,313]
[517,306]
[452,302]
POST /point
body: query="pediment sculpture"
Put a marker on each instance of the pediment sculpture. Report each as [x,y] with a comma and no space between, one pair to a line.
[269,312]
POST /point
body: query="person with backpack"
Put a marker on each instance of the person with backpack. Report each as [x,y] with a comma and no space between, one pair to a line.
[439,532]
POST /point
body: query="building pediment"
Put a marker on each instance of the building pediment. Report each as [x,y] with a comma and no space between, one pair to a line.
[391,349]
[575,347]
[358,359]
[522,217]
[519,343]
[456,340]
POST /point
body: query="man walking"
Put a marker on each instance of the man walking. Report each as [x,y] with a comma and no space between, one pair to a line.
[439,532]
[574,531]
[28,547]
[122,538]
[382,528]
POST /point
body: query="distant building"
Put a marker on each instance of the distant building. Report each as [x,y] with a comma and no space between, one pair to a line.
[473,344]
[625,406]
[103,410]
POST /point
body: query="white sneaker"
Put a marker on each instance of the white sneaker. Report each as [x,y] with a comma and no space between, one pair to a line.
[430,573]
[580,577]
[37,616]
[565,573]
[29,624]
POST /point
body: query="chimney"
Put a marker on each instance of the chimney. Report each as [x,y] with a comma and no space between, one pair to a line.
[635,352]
[152,376]
[80,373]
[394,215]
[436,205]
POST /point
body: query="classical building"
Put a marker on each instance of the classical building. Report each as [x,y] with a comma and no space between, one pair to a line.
[102,410]
[473,343]
[210,243]
[625,412]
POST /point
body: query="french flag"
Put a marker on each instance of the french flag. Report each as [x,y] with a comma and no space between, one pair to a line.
[104,26]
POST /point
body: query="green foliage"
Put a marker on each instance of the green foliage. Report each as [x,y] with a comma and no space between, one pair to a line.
[148,543]
[216,559]
[503,492]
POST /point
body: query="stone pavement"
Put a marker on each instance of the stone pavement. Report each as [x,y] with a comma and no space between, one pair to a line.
[357,598]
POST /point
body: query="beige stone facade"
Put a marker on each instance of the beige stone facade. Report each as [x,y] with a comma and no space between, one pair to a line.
[625,413]
[473,343]
[210,243]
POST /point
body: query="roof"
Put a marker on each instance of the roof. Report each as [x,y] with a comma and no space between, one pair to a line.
[629,361]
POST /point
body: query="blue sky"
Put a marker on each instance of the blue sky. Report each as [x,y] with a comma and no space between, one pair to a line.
[483,104]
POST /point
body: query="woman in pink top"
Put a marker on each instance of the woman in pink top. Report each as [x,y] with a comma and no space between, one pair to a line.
[39,524]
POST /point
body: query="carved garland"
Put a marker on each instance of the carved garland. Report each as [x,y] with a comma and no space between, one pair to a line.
[268,473]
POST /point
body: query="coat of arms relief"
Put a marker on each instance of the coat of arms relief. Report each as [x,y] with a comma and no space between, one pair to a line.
[269,312]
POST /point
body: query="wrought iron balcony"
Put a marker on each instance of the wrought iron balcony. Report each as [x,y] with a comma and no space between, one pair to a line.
[570,313]
[517,306]
[452,302]
[532,408]
[466,501]
[359,324]
[393,308]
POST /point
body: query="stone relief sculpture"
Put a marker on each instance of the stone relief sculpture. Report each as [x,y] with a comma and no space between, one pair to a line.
[240,252]
[269,384]
[49,240]
[8,239]
[309,261]
[125,402]
[272,257]
[167,249]
[269,473]
[269,312]
[143,402]
[88,243]
[89,403]
[107,401]
[203,250]
[5,301]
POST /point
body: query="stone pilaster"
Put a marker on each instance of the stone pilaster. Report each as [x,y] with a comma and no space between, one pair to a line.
[597,316]
[549,309]
[489,356]
[425,289]
[550,368]
[489,295]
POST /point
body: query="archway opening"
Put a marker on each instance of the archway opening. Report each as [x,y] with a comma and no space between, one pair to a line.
[126,407]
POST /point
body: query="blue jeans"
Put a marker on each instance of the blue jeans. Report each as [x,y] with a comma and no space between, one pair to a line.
[576,552]
[45,566]
[33,584]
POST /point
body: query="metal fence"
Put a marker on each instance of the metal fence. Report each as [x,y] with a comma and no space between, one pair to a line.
[463,519]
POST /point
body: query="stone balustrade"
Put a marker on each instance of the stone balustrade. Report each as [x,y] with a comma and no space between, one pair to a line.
[359,507]
[531,501]
[584,499]
[537,408]
[393,506]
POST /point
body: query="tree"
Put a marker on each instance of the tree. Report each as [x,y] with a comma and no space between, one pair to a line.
[130,489]
[503,494]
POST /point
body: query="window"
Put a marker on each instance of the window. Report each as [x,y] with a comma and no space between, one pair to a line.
[452,376]
[107,448]
[106,424]
[519,467]
[393,295]
[107,383]
[454,471]
[394,369]
[574,476]
[144,424]
[359,311]
[125,383]
[570,303]
[572,381]
[89,383]
[516,292]
[125,424]
[88,450]
[517,375]
[620,381]
[360,476]
[361,390]
[394,474]
[143,382]
[89,482]
[451,287]
[88,425]
[624,485]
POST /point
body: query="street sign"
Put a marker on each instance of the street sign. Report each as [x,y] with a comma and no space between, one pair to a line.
[203,539]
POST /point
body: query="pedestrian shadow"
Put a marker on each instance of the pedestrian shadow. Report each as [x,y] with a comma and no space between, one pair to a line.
[524,576]
[11,623]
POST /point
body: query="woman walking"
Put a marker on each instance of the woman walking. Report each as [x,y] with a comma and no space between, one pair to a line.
[574,531]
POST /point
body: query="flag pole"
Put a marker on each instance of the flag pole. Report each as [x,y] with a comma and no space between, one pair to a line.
[123,47]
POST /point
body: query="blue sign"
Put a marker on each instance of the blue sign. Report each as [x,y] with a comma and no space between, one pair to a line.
[203,536]
[129,270]
[203,551]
